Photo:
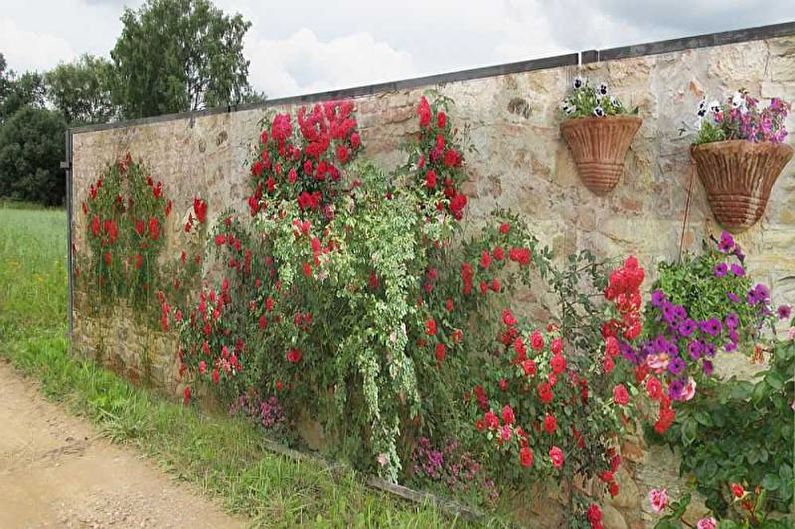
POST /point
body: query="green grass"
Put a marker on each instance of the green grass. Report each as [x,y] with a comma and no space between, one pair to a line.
[225,457]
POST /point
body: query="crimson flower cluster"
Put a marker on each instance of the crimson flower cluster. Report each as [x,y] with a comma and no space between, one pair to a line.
[439,161]
[305,163]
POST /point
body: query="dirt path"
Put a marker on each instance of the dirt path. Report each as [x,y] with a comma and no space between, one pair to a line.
[56,472]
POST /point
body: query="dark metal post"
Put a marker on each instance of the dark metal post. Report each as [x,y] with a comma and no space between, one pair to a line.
[67,167]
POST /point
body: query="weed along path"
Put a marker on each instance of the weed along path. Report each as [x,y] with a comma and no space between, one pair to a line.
[56,471]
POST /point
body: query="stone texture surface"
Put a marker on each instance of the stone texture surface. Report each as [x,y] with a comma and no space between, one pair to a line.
[522,164]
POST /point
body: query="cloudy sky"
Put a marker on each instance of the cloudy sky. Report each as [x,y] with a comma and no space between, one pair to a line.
[302,46]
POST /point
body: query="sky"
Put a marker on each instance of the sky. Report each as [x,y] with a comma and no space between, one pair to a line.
[304,46]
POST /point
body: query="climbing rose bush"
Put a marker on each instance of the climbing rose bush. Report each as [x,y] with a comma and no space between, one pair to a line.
[352,297]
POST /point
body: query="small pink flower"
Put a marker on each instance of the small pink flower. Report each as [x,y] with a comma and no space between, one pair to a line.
[690,389]
[707,523]
[658,498]
[382,459]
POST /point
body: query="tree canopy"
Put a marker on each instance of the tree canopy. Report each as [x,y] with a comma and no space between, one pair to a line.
[31,150]
[81,90]
[177,56]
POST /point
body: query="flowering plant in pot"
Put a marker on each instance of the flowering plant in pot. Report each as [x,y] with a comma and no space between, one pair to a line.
[739,153]
[599,130]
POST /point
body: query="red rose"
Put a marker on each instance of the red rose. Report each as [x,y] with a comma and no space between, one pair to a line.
[154,228]
[503,384]
[620,395]
[520,255]
[507,415]
[594,514]
[558,364]
[504,228]
[654,388]
[108,258]
[613,488]
[550,424]
[216,376]
[530,369]
[556,455]
[449,305]
[498,253]
[536,341]
[294,355]
[508,318]
[737,490]
[424,112]
[485,259]
[441,120]
[356,141]
[430,327]
[526,456]
[545,392]
[430,179]
[491,419]
[556,346]
[606,476]
[440,352]
[186,396]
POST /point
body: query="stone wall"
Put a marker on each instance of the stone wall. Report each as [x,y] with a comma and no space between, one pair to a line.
[521,163]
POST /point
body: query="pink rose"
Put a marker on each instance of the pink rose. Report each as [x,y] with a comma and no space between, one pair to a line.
[658,498]
[707,523]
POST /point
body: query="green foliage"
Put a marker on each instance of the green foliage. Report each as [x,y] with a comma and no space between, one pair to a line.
[224,457]
[179,55]
[19,92]
[125,219]
[81,90]
[584,100]
[741,432]
[692,282]
[31,151]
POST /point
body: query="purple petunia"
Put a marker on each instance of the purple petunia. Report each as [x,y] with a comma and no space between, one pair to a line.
[738,270]
[679,313]
[759,294]
[712,326]
[658,298]
[720,269]
[694,349]
[676,365]
[687,327]
[708,367]
[676,387]
[730,347]
[732,297]
[784,312]
[668,311]
[732,320]
[709,349]
[726,243]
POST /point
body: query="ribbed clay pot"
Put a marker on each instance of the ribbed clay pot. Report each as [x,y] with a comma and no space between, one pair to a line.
[599,146]
[738,176]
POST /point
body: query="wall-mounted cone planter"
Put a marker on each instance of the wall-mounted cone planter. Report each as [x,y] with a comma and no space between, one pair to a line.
[599,146]
[738,176]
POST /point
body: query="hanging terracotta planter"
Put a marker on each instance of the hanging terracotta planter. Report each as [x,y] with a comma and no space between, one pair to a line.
[599,145]
[738,176]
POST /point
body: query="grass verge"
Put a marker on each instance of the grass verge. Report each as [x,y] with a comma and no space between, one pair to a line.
[224,456]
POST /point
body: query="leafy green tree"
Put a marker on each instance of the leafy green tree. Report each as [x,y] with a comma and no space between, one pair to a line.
[17,92]
[81,90]
[31,150]
[177,56]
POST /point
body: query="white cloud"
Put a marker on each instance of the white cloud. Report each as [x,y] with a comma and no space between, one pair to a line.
[302,63]
[29,50]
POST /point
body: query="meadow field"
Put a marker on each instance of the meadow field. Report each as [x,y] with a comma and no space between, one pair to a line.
[227,458]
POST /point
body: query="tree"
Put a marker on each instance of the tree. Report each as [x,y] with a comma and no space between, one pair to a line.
[18,92]
[179,55]
[81,90]
[31,150]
